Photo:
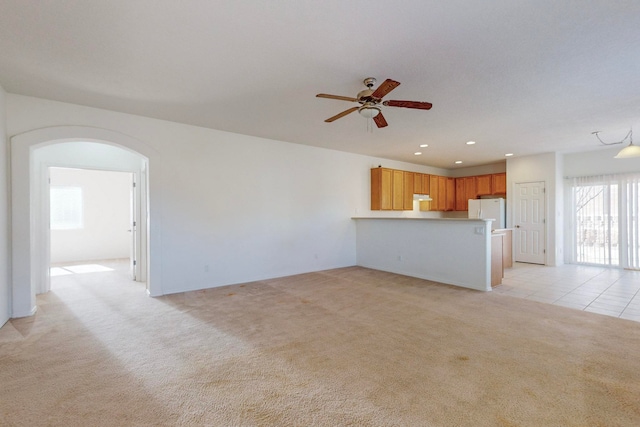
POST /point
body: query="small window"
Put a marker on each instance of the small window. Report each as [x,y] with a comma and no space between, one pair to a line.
[66,208]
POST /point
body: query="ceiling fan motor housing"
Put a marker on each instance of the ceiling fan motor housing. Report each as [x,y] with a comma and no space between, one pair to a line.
[364,96]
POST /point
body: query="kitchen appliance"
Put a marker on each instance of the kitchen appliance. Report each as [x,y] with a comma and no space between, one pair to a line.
[488,209]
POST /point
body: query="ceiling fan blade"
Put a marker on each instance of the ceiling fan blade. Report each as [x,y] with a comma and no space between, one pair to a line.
[344,113]
[409,104]
[380,121]
[341,98]
[386,87]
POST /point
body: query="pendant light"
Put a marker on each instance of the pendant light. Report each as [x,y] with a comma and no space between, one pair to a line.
[628,151]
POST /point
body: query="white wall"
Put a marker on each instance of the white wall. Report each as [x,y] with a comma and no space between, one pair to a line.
[5,269]
[234,208]
[106,216]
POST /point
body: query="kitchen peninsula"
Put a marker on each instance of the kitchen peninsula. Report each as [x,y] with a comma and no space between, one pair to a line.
[455,251]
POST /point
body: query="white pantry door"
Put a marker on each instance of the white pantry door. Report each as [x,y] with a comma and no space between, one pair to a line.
[529,222]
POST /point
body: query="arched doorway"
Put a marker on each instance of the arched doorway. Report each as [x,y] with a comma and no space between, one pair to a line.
[32,153]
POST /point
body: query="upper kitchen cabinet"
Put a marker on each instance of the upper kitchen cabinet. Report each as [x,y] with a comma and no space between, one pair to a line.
[483,185]
[409,188]
[438,194]
[493,184]
[426,182]
[450,203]
[470,190]
[391,189]
[381,189]
[397,195]
[420,183]
[417,183]
[465,190]
[499,183]
[462,193]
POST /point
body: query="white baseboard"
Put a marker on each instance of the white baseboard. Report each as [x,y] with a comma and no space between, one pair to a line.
[25,314]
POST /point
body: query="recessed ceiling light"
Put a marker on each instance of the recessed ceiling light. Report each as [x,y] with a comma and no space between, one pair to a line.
[458,162]
[424,145]
[470,142]
[417,153]
[508,155]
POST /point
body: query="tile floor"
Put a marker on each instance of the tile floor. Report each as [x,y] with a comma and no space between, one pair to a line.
[612,292]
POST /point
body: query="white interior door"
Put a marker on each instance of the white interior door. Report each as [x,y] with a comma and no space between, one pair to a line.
[529,222]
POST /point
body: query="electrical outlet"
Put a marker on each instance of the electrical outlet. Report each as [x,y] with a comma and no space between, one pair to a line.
[206,268]
[480,231]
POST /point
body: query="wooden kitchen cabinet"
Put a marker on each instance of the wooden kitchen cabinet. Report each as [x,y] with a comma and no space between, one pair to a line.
[397,195]
[492,184]
[409,185]
[417,183]
[393,189]
[450,194]
[461,203]
[483,185]
[461,195]
[426,182]
[420,183]
[499,183]
[426,189]
[470,190]
[507,248]
[381,189]
[390,190]
[438,194]
[433,193]
[442,192]
[465,190]
[497,266]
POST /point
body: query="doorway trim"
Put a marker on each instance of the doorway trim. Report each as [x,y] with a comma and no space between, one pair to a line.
[28,257]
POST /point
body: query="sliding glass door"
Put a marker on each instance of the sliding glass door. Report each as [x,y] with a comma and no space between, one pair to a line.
[605,220]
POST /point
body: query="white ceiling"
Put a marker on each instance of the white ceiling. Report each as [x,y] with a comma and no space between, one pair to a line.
[514,75]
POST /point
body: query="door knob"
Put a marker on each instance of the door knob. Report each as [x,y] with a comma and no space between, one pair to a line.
[517,226]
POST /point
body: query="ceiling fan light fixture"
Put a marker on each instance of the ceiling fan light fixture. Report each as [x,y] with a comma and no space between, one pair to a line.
[369,111]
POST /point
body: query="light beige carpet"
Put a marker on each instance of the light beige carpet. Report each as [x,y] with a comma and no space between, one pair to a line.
[350,346]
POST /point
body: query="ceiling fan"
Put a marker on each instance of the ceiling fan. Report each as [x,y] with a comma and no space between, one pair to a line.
[371,100]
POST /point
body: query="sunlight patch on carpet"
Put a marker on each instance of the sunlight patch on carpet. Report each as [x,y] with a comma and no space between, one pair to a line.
[59,271]
[78,269]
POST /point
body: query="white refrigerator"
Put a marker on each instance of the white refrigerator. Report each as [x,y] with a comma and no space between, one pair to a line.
[488,209]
